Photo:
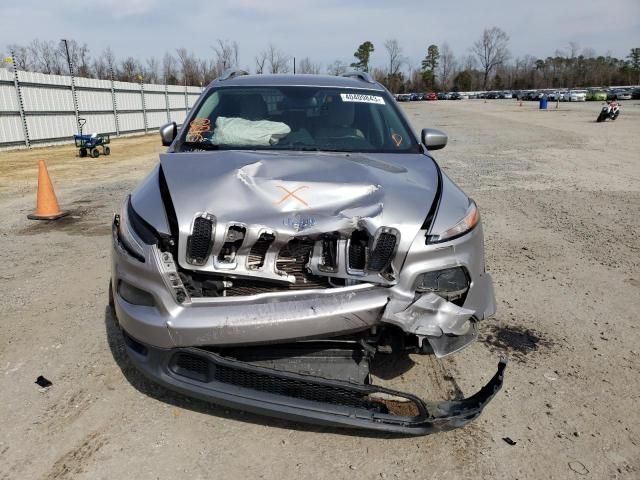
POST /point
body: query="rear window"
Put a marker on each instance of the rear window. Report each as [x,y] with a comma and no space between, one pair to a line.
[298,118]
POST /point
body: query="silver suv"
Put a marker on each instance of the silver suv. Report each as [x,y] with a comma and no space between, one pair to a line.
[295,229]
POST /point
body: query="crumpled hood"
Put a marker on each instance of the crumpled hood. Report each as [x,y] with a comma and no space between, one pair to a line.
[302,193]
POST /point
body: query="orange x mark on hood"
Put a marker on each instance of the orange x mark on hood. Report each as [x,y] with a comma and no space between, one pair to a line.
[291,194]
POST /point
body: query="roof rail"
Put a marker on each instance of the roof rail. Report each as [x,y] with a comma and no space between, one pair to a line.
[231,73]
[364,76]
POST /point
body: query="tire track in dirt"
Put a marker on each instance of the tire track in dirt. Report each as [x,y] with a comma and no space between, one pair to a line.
[74,461]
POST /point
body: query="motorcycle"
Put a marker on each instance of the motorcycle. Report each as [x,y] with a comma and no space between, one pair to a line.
[609,110]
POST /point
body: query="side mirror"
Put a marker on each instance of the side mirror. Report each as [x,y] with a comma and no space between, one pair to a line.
[168,133]
[434,139]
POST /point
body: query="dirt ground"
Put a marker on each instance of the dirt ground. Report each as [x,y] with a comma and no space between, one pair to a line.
[559,197]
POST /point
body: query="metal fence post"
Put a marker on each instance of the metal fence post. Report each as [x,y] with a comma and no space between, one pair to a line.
[144,106]
[166,100]
[73,85]
[115,104]
[16,84]
[186,100]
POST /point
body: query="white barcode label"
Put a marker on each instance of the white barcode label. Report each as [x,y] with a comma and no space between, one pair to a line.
[361,98]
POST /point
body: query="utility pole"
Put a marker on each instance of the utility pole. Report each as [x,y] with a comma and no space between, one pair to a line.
[73,84]
[294,65]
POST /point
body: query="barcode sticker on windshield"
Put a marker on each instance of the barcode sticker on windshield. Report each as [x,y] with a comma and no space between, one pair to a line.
[359,97]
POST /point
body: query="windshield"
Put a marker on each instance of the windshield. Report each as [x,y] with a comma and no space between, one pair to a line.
[298,118]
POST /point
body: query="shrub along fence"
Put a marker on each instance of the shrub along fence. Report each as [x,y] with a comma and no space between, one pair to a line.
[39,109]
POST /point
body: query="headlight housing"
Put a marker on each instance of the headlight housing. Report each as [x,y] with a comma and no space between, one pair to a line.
[133,231]
[466,224]
[449,283]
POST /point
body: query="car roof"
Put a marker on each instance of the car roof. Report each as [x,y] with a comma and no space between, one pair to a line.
[271,80]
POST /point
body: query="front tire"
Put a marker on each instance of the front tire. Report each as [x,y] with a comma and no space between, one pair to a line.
[602,117]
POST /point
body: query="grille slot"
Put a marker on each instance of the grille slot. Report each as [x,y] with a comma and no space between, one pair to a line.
[235,237]
[329,260]
[199,243]
[358,246]
[381,255]
[259,250]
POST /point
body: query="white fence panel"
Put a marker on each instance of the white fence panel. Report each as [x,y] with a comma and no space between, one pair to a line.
[131,122]
[129,100]
[44,127]
[42,99]
[11,129]
[154,100]
[176,101]
[178,116]
[99,123]
[8,98]
[156,119]
[94,100]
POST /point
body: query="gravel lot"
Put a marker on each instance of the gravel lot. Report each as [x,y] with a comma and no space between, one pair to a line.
[559,196]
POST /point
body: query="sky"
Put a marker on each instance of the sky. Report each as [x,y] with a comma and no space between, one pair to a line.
[324,30]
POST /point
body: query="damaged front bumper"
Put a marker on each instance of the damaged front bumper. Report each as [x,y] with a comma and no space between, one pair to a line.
[297,397]
[303,314]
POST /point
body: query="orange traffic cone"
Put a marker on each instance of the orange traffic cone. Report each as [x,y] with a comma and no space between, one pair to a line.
[47,207]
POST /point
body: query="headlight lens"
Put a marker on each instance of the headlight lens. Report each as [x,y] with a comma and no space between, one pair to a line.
[133,231]
[450,283]
[468,222]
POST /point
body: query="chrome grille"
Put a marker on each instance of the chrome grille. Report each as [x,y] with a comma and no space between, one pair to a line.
[381,254]
[199,243]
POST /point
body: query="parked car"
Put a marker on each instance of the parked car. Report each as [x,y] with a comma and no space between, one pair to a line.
[621,94]
[455,96]
[596,95]
[506,94]
[635,94]
[442,96]
[577,95]
[403,97]
[430,96]
[263,263]
[492,95]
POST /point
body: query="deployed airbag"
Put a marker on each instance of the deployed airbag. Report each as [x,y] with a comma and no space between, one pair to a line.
[238,131]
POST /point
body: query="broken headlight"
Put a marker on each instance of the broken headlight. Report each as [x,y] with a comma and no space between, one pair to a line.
[450,283]
[133,231]
[466,224]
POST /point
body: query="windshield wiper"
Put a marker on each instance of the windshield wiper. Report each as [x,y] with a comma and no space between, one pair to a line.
[201,145]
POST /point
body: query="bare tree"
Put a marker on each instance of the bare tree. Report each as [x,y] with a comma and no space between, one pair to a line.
[190,68]
[277,61]
[491,50]
[447,65]
[129,70]
[170,69]
[100,69]
[396,60]
[23,57]
[226,54]
[152,70]
[307,66]
[394,76]
[46,57]
[260,60]
[337,68]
